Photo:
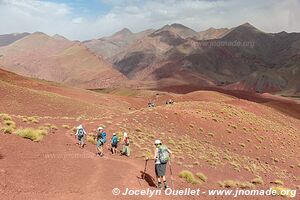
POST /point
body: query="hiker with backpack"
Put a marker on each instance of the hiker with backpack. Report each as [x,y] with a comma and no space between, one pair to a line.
[161,156]
[100,140]
[114,143]
[80,134]
[126,149]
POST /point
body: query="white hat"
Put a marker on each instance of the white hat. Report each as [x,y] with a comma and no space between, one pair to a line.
[114,134]
[157,142]
[125,134]
[100,128]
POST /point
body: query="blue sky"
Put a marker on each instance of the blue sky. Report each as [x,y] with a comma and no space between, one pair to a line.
[88,19]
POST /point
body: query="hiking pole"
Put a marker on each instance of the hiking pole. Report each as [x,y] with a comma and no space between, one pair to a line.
[171,173]
[144,173]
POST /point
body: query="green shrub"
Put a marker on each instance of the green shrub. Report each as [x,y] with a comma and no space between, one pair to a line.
[257,181]
[228,184]
[9,123]
[171,141]
[245,185]
[236,184]
[91,139]
[201,176]
[33,119]
[35,135]
[5,117]
[7,129]
[53,127]
[188,176]
[278,182]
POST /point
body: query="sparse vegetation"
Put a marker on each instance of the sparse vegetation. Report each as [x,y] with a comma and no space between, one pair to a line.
[91,139]
[53,127]
[35,135]
[33,119]
[9,125]
[242,145]
[66,126]
[210,134]
[138,130]
[201,176]
[7,129]
[236,184]
[257,181]
[278,182]
[188,176]
[5,117]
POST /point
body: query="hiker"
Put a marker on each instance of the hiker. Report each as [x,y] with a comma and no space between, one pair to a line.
[126,149]
[80,134]
[114,143]
[100,140]
[161,156]
[170,101]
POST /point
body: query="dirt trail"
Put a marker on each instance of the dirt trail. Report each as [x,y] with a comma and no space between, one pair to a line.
[61,170]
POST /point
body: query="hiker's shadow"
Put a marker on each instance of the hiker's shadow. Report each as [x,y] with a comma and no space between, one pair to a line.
[148,178]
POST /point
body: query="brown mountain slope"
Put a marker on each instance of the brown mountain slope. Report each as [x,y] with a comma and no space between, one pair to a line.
[60,60]
[259,61]
[212,33]
[7,39]
[110,46]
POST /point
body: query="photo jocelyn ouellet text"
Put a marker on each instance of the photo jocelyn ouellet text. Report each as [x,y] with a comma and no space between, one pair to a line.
[198,192]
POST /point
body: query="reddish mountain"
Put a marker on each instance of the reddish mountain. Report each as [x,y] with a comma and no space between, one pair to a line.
[111,46]
[243,56]
[60,60]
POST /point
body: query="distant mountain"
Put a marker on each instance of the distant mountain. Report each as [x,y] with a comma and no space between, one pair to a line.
[58,59]
[7,39]
[180,30]
[111,46]
[212,33]
[241,57]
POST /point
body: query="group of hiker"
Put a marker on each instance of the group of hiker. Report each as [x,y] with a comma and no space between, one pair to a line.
[170,101]
[161,156]
[151,103]
[101,139]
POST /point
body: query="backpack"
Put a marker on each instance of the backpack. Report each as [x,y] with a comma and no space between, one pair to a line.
[126,141]
[114,140]
[103,139]
[80,132]
[163,154]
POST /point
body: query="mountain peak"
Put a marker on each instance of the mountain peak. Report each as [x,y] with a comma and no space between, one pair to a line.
[124,31]
[39,33]
[178,29]
[248,26]
[176,25]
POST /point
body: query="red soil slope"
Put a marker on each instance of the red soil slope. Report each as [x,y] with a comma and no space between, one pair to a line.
[222,136]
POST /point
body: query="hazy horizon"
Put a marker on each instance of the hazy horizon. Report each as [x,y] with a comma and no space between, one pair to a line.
[84,20]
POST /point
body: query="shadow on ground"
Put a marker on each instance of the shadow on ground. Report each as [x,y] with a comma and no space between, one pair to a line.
[148,178]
